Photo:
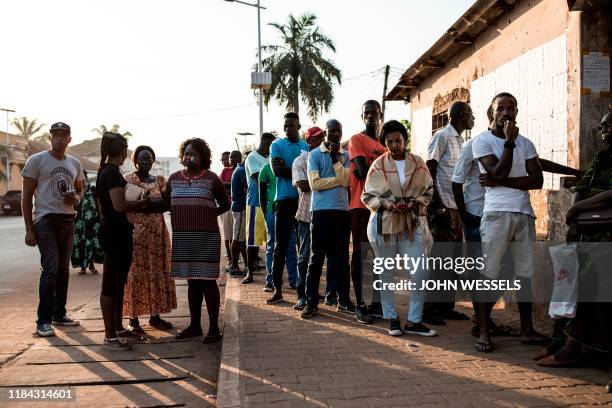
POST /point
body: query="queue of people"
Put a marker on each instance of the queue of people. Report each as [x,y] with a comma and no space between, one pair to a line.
[306,199]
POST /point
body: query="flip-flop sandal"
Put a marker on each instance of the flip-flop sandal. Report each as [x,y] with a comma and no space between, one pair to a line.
[82,272]
[130,335]
[93,271]
[504,331]
[551,361]
[486,347]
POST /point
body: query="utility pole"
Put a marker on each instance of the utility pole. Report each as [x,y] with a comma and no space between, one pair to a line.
[384,93]
[8,147]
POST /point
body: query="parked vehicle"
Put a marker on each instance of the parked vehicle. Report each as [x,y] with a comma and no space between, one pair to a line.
[11,202]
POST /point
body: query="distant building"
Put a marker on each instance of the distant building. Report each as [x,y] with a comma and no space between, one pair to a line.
[20,149]
[552,55]
[165,166]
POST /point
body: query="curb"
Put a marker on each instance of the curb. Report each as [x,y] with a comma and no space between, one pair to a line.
[229,388]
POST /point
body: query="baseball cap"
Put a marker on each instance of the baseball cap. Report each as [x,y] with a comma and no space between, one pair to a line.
[313,131]
[59,126]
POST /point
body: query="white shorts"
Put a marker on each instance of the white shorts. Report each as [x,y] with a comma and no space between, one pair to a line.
[227,225]
[502,229]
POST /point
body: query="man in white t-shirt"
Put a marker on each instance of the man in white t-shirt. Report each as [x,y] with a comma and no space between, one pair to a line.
[255,223]
[55,180]
[511,163]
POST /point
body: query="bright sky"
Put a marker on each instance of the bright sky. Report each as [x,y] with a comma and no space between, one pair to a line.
[169,70]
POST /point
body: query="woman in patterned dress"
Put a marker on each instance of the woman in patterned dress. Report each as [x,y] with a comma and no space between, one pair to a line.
[86,246]
[196,196]
[149,289]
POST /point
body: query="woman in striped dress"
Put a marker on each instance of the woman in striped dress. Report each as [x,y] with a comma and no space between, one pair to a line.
[196,196]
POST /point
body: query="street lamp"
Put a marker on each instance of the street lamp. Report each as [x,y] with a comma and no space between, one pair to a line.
[259,80]
[8,147]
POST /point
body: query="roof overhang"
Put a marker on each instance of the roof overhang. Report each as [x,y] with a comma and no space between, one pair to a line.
[457,38]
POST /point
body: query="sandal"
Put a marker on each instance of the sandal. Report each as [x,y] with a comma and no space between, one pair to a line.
[551,361]
[248,279]
[535,339]
[504,331]
[160,324]
[93,271]
[129,335]
[483,347]
[187,333]
[83,271]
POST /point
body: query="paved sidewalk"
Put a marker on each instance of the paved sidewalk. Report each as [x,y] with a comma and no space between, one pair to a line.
[272,358]
[160,372]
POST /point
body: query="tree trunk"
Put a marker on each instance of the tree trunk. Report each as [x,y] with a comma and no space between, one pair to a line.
[295,94]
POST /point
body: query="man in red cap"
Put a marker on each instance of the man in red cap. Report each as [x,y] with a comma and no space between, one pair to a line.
[313,136]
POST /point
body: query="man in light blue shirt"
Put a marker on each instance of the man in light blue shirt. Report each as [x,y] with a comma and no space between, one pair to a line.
[328,176]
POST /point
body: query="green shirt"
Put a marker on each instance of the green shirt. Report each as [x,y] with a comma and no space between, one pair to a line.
[266,176]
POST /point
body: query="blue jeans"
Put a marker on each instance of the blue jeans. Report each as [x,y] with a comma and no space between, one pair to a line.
[290,258]
[54,236]
[471,228]
[413,249]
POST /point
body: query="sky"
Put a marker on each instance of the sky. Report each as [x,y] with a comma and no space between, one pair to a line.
[170,70]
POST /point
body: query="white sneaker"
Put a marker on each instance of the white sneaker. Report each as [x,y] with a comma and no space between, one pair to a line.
[45,330]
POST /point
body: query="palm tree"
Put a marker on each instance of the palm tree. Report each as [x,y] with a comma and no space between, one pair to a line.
[29,129]
[4,152]
[115,128]
[299,69]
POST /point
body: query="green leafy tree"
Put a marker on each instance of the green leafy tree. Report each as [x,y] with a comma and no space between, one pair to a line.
[29,128]
[299,69]
[408,127]
[115,128]
[4,152]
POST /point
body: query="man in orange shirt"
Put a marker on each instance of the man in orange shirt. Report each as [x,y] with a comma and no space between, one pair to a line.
[363,149]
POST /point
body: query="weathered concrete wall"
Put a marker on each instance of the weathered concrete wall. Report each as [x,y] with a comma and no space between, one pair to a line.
[595,35]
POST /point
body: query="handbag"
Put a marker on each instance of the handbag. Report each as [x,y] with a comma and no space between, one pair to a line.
[593,222]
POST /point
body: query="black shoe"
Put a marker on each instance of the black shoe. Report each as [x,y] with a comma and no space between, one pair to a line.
[277,297]
[64,321]
[331,301]
[212,337]
[237,273]
[349,308]
[419,329]
[375,310]
[309,311]
[362,316]
[454,315]
[433,318]
[300,305]
[395,327]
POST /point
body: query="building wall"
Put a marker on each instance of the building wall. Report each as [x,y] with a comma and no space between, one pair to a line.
[522,56]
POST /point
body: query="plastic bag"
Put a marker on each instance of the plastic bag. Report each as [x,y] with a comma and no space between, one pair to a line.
[565,286]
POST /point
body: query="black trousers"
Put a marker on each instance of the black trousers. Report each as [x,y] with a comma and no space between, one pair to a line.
[285,224]
[329,237]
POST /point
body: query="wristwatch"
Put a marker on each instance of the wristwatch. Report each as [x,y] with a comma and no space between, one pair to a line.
[509,145]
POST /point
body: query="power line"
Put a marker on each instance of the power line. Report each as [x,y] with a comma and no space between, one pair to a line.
[177,115]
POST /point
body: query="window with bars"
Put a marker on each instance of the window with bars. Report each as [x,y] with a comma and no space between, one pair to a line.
[438,122]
